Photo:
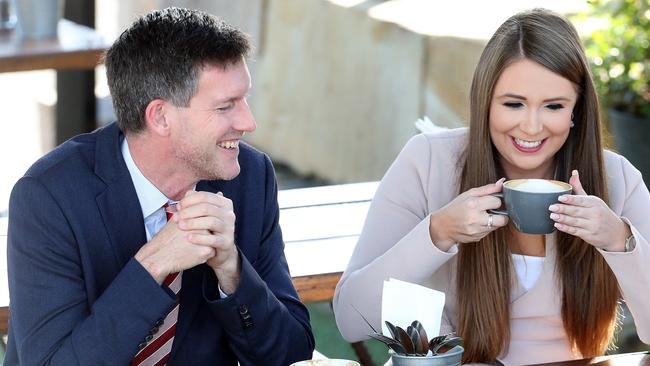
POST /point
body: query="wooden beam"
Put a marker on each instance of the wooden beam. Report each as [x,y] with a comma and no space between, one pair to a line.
[317,287]
[4,320]
[86,59]
[77,47]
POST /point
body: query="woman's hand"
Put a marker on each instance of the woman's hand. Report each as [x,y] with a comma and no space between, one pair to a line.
[465,219]
[589,218]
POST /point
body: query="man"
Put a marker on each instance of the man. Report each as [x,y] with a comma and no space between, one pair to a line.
[95,269]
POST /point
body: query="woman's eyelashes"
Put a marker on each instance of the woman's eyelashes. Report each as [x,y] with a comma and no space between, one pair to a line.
[517,105]
[513,105]
[555,106]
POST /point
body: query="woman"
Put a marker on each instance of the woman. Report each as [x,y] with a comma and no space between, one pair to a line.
[514,297]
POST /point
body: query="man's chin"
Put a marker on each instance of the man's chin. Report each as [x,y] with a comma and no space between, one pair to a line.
[227,174]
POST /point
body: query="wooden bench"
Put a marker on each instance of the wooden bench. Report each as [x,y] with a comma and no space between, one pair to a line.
[320,227]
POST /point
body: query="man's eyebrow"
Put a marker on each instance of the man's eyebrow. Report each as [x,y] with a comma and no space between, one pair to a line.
[226,100]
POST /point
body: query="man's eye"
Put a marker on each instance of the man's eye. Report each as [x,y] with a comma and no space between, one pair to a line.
[554,107]
[513,105]
[225,108]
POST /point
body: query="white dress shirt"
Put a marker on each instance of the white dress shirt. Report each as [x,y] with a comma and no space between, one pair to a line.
[151,199]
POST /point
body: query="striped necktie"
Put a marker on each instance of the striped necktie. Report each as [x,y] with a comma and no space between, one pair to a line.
[157,345]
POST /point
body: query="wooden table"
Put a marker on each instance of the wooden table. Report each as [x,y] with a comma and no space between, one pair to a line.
[74,54]
[625,359]
[77,47]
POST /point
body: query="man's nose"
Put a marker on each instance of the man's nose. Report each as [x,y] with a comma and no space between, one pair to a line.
[245,120]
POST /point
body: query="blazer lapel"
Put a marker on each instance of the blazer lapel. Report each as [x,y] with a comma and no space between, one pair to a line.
[123,220]
[118,203]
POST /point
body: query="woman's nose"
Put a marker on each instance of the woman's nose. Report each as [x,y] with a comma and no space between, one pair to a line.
[532,124]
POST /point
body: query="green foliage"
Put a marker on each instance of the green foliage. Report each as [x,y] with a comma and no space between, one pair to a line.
[619,53]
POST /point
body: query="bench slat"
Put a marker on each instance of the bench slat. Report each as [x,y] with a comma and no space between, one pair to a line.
[319,256]
[323,195]
[318,222]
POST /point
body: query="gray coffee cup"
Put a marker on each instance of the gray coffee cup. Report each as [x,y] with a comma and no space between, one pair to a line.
[527,202]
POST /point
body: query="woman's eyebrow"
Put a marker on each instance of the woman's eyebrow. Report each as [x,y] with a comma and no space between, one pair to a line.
[511,95]
[521,97]
[557,99]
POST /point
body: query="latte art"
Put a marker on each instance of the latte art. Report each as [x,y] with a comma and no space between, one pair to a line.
[537,185]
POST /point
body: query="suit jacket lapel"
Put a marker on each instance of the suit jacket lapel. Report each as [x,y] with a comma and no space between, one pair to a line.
[118,203]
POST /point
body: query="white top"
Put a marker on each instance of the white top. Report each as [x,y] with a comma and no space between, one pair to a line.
[528,269]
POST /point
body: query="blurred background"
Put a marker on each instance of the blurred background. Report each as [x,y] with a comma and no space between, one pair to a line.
[337,86]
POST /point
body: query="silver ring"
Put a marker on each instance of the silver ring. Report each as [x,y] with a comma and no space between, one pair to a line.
[489,223]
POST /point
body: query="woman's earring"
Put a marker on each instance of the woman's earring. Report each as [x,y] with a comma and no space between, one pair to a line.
[572,124]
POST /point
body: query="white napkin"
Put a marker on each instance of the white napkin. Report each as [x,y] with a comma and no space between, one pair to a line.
[425,125]
[403,302]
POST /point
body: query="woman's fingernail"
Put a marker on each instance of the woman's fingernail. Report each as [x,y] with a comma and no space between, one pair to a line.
[563,198]
[574,172]
[555,216]
[553,208]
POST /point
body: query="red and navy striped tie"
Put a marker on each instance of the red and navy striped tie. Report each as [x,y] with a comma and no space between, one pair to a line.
[159,342]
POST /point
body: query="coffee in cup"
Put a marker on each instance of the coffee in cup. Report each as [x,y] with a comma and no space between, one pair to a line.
[527,201]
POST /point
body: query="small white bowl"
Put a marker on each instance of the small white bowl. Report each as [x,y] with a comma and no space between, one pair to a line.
[327,362]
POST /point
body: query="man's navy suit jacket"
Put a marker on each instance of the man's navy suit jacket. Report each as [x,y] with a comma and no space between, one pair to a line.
[78,297]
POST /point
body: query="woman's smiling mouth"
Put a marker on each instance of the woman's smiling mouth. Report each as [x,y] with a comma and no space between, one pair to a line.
[527,146]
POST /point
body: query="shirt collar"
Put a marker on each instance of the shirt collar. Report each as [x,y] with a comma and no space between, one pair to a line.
[151,199]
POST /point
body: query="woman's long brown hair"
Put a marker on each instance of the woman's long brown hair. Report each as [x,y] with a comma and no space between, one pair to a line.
[589,289]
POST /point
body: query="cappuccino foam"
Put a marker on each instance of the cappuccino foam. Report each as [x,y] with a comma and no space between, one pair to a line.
[537,186]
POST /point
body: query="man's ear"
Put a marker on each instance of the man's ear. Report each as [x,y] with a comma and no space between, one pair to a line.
[157,117]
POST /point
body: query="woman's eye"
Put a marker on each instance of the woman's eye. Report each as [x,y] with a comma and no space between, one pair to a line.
[554,107]
[513,105]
